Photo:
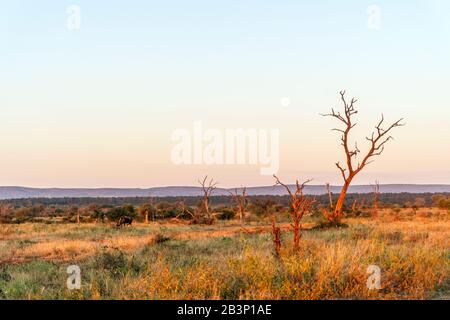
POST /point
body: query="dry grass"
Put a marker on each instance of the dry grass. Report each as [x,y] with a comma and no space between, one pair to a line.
[71,242]
[224,261]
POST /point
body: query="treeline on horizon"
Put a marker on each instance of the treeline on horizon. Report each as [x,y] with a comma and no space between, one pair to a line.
[364,199]
[188,209]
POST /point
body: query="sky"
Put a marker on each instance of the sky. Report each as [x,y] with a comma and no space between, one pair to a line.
[93,99]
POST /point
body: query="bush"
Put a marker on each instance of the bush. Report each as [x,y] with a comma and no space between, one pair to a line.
[226,214]
[263,208]
[118,212]
[233,287]
[441,201]
[161,238]
[167,210]
[4,275]
[330,224]
[115,262]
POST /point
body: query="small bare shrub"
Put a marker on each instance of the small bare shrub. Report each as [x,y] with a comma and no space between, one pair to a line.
[161,238]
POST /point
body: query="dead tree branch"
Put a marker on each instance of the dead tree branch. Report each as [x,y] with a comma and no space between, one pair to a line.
[299,205]
[377,140]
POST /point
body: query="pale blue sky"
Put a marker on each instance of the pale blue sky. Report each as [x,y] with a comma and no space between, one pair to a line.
[96,106]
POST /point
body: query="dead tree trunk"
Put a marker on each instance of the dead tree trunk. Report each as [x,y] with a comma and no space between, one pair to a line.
[377,141]
[201,214]
[276,233]
[299,205]
[338,212]
[354,206]
[330,198]
[240,201]
[376,193]
[297,233]
[207,188]
[152,208]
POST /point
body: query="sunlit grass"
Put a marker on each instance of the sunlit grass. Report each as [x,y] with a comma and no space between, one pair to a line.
[223,262]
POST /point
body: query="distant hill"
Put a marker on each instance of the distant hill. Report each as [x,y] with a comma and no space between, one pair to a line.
[24,192]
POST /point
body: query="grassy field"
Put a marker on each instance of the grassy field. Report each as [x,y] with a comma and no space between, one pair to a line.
[224,261]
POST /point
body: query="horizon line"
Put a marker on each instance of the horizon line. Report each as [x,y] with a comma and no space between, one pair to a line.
[225,187]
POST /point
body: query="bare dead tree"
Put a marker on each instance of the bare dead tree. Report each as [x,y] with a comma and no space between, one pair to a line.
[355,206]
[148,208]
[195,214]
[299,205]
[152,208]
[377,142]
[330,199]
[202,214]
[276,236]
[376,193]
[207,187]
[240,202]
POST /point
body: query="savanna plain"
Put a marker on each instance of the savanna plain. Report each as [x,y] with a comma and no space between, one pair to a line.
[230,259]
